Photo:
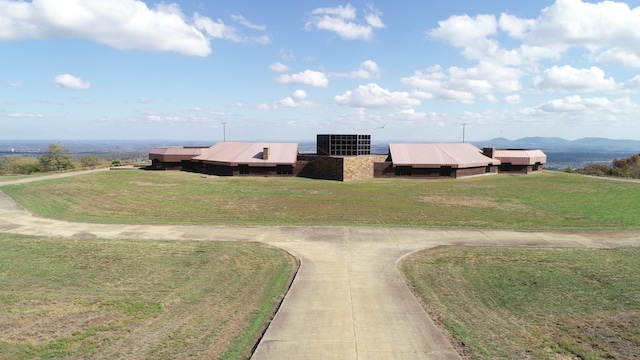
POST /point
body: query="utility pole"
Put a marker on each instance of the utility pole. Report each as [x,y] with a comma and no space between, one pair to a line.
[224,131]
[463,126]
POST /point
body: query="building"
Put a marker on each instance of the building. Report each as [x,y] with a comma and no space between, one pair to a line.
[174,157]
[346,158]
[436,160]
[248,158]
[343,145]
[518,161]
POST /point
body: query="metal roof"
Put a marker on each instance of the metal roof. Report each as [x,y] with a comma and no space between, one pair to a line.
[234,153]
[520,157]
[462,155]
[175,153]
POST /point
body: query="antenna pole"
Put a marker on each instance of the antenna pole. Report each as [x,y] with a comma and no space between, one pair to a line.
[224,131]
[463,126]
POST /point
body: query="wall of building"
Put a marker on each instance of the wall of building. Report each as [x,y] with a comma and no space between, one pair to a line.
[321,167]
[360,167]
[386,169]
[520,169]
[475,171]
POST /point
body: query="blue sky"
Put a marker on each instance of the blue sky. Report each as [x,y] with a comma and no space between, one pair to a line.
[288,70]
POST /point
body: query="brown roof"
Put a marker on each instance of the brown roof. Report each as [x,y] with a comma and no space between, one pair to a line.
[520,157]
[175,153]
[462,155]
[234,153]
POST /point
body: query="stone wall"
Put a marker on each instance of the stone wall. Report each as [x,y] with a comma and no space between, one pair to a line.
[321,167]
[360,167]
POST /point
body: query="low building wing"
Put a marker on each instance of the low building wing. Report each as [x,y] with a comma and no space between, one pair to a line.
[258,154]
[175,154]
[520,157]
[456,156]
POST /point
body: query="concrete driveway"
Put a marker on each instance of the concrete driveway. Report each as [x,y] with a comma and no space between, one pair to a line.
[348,301]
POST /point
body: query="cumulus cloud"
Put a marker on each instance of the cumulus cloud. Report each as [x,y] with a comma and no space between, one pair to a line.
[279,67]
[459,85]
[297,100]
[307,77]
[367,70]
[607,30]
[577,105]
[123,24]
[71,82]
[373,96]
[463,30]
[570,79]
[343,21]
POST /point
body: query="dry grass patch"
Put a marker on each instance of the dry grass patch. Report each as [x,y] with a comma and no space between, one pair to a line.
[108,299]
[500,303]
[542,202]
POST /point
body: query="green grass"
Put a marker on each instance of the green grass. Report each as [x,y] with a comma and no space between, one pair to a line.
[105,299]
[501,303]
[550,201]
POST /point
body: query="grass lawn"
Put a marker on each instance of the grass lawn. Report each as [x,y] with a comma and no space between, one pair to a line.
[128,299]
[502,303]
[548,201]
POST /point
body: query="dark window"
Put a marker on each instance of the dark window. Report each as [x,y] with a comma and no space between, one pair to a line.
[243,169]
[445,171]
[403,170]
[284,169]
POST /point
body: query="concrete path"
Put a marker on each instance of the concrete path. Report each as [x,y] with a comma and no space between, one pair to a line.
[348,300]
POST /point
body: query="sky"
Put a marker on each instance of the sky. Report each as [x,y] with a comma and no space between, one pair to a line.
[287,70]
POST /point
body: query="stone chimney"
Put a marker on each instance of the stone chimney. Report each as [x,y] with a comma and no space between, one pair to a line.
[265,153]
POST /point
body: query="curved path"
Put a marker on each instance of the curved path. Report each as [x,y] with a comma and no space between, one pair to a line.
[348,301]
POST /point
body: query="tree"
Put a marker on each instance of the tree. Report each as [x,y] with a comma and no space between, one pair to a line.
[18,164]
[56,158]
[91,161]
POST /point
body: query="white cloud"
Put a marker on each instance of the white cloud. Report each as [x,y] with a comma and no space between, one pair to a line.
[373,96]
[607,30]
[21,115]
[297,100]
[341,19]
[634,83]
[71,82]
[577,105]
[367,70]
[244,22]
[570,79]
[15,85]
[279,67]
[307,77]
[123,24]
[460,85]
[515,26]
[617,56]
[286,54]
[218,30]
[462,30]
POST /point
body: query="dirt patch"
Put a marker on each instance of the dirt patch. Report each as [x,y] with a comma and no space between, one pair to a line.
[617,335]
[40,323]
[472,202]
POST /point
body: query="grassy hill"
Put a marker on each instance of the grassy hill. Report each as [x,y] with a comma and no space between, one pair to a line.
[547,201]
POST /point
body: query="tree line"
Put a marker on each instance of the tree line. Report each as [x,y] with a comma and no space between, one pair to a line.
[626,167]
[55,158]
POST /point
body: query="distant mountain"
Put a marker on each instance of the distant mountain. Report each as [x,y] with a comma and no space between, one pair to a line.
[563,153]
[555,144]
